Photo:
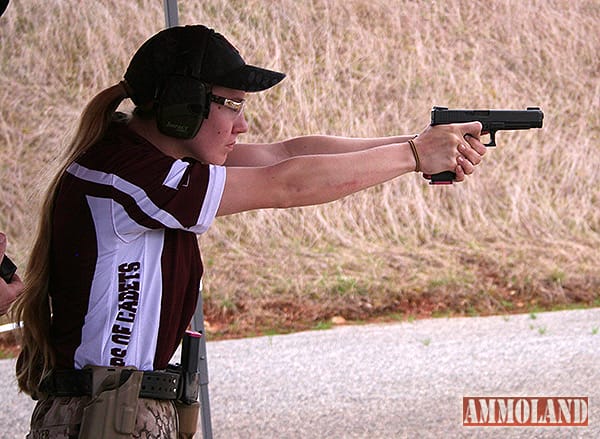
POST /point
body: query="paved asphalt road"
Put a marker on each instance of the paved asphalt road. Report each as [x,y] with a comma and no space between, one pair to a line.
[388,381]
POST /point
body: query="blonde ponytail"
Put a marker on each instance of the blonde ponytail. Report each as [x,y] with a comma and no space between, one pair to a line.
[33,308]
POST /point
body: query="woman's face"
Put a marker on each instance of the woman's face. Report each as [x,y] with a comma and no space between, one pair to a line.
[218,134]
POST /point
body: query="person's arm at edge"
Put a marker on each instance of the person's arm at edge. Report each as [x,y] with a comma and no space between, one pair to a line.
[8,292]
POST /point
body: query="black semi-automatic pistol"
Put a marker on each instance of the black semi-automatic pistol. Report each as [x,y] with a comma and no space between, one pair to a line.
[492,121]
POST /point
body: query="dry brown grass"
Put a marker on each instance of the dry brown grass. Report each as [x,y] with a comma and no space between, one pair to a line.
[522,233]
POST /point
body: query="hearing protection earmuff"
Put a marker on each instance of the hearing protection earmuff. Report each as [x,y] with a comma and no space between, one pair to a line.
[184,101]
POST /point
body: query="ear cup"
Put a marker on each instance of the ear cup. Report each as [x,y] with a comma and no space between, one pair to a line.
[182,106]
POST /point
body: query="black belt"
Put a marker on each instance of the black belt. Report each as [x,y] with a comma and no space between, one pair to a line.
[155,384]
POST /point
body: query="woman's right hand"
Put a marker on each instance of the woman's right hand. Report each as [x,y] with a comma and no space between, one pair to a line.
[452,147]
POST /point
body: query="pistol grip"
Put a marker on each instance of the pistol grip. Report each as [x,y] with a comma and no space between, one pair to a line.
[442,178]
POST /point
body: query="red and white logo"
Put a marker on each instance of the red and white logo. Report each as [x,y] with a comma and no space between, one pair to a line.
[536,411]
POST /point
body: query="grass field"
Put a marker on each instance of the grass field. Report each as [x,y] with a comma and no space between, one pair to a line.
[521,235]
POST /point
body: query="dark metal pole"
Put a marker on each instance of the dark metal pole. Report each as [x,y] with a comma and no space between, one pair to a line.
[171,13]
[172,19]
[198,326]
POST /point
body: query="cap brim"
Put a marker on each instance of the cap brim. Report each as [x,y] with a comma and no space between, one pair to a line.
[249,78]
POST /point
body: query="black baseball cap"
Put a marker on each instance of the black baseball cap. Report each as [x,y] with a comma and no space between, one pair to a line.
[3,5]
[195,51]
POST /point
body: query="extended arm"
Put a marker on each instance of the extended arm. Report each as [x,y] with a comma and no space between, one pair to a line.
[265,154]
[314,179]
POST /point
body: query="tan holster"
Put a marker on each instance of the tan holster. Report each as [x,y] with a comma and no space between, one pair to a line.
[112,412]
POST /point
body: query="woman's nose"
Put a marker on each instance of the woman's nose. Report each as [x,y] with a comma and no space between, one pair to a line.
[241,124]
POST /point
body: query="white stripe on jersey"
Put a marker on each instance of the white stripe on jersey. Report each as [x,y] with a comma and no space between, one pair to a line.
[136,192]
[125,297]
[212,199]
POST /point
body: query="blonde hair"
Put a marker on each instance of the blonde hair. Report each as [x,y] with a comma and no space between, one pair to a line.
[34,308]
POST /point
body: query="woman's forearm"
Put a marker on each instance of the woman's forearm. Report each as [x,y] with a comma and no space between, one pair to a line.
[315,179]
[266,154]
[322,144]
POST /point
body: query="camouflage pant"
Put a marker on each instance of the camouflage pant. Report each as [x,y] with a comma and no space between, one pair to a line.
[60,417]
